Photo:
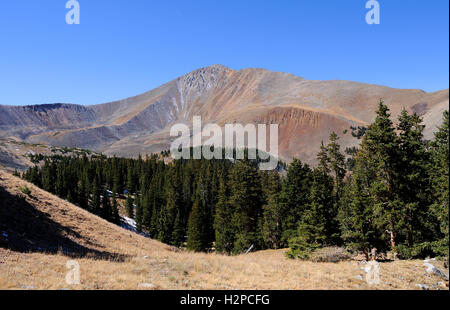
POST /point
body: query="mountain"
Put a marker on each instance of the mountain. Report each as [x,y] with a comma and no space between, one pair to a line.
[307,112]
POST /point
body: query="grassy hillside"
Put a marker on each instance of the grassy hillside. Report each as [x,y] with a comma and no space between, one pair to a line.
[39,233]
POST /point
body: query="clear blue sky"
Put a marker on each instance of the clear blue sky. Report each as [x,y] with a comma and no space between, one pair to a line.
[126,47]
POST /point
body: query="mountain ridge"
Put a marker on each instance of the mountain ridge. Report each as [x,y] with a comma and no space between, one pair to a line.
[140,124]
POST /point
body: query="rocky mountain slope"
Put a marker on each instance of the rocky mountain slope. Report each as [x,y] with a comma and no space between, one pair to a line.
[306,111]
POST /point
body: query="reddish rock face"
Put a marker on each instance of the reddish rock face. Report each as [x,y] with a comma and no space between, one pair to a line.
[306,111]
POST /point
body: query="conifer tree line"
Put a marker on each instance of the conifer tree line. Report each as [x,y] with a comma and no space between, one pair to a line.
[391,193]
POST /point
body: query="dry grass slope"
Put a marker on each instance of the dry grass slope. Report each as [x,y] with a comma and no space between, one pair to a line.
[39,233]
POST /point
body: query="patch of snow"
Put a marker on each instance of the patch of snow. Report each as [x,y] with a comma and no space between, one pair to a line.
[129,221]
[423,286]
[130,224]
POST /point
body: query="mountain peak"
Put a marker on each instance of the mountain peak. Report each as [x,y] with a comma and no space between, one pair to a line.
[218,67]
[213,69]
[204,78]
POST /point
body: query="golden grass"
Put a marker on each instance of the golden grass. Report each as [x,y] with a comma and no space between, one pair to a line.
[149,261]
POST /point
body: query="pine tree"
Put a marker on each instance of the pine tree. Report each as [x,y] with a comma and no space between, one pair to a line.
[147,205]
[129,206]
[171,209]
[138,217]
[164,226]
[115,217]
[83,190]
[336,163]
[356,215]
[294,197]
[317,226]
[225,234]
[178,231]
[245,199]
[383,154]
[413,178]
[130,178]
[440,183]
[117,188]
[323,159]
[272,229]
[198,238]
[96,201]
[106,206]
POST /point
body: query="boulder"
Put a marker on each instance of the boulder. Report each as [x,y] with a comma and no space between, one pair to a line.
[433,270]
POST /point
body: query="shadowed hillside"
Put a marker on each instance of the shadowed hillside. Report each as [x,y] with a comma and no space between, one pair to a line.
[26,229]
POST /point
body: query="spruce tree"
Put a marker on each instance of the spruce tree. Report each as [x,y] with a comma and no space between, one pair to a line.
[323,159]
[164,226]
[383,154]
[294,197]
[172,208]
[198,238]
[178,231]
[356,214]
[129,206]
[413,179]
[317,225]
[130,179]
[138,216]
[224,232]
[106,206]
[115,217]
[245,199]
[336,163]
[272,227]
[96,201]
[147,205]
[440,183]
